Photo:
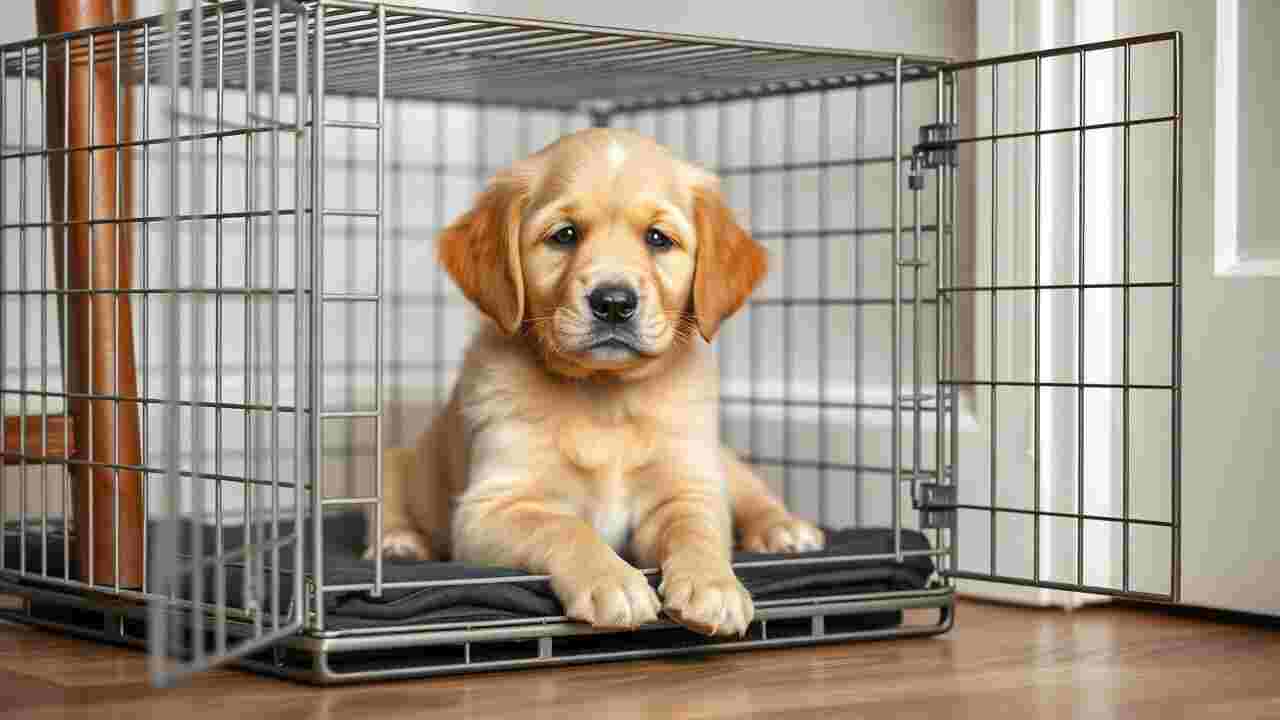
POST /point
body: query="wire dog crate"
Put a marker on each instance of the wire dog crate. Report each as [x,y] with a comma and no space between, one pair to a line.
[972,326]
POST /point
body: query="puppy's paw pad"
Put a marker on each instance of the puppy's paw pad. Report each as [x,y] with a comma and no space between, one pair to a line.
[402,544]
[621,600]
[789,535]
[707,602]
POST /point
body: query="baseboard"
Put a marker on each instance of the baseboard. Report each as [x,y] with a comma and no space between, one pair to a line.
[1026,596]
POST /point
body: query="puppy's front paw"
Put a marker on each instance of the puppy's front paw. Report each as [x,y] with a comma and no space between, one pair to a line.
[711,602]
[402,544]
[617,598]
[785,534]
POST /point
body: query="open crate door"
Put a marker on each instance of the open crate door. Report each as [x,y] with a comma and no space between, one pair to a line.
[229,510]
[1061,323]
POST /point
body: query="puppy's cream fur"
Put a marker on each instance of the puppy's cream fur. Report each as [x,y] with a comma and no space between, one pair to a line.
[560,454]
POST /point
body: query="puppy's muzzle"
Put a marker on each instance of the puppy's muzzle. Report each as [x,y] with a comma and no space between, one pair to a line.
[613,304]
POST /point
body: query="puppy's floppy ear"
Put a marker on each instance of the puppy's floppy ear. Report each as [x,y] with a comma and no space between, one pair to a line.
[481,252]
[729,264]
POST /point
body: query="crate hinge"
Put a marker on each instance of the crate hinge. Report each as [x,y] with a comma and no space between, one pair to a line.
[937,505]
[936,149]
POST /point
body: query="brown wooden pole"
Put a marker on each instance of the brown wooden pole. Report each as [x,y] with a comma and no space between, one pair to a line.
[99,327]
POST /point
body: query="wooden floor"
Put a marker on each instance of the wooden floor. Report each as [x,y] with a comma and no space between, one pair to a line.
[1099,662]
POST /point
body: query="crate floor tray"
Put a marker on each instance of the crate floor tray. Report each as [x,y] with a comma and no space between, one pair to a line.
[482,602]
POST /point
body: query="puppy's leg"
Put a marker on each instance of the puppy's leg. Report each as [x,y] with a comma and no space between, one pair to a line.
[763,522]
[401,538]
[526,531]
[685,530]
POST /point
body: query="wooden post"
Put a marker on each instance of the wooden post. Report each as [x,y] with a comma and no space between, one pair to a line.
[99,327]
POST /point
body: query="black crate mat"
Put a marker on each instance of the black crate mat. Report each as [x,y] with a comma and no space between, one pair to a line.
[344,535]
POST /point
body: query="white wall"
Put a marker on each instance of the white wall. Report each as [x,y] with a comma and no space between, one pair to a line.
[1231,349]
[919,27]
[1002,232]
[1259,145]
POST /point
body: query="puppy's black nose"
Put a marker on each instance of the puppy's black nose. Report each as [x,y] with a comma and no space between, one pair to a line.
[613,303]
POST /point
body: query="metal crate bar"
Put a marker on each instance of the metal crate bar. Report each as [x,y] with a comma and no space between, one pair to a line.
[1088,63]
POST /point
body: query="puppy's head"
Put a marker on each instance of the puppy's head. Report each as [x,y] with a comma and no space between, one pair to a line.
[606,250]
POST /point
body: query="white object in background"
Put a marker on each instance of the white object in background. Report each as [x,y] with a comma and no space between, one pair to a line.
[1245,148]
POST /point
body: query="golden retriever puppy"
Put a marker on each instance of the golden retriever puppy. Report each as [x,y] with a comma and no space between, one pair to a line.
[584,425]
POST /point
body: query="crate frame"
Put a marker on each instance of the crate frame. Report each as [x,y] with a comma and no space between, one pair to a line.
[294,642]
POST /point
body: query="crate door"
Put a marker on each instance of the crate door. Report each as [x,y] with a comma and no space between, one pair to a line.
[228,498]
[1061,322]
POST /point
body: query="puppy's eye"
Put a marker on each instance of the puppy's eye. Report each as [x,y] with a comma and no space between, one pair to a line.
[566,236]
[657,240]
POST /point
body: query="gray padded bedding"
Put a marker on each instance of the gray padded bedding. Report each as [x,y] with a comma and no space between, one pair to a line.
[344,539]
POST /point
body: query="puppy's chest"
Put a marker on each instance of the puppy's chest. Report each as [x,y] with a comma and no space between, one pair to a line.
[606,448]
[609,458]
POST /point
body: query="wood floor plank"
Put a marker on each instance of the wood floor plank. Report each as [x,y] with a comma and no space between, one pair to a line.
[1098,662]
